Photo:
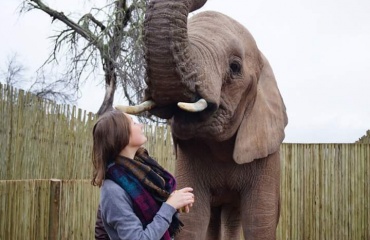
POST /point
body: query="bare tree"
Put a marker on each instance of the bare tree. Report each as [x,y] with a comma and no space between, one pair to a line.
[54,89]
[107,38]
[365,138]
[42,85]
[13,72]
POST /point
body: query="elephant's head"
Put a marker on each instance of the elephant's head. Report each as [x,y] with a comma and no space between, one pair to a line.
[212,57]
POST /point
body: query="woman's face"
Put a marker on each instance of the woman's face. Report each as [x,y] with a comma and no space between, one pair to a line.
[137,137]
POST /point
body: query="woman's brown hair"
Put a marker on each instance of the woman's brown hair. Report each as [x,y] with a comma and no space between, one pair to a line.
[111,134]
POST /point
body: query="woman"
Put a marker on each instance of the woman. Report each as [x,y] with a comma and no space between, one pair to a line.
[138,198]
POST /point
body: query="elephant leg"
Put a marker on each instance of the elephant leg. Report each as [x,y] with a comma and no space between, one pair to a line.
[230,219]
[214,227]
[224,223]
[260,203]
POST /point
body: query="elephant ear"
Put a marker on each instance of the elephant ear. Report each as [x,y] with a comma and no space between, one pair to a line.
[262,129]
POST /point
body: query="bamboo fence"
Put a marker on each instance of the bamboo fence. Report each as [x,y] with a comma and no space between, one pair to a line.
[325,191]
[40,139]
[47,209]
[325,188]
[324,195]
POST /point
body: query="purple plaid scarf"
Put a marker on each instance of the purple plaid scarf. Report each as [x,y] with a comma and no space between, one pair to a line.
[148,184]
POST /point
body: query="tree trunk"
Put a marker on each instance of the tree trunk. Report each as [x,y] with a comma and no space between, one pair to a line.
[110,88]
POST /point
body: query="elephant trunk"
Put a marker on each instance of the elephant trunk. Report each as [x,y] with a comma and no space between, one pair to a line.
[171,70]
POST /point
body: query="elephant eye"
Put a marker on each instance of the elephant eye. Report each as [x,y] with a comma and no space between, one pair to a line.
[235,68]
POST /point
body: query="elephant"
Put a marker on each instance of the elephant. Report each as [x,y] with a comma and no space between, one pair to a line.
[206,75]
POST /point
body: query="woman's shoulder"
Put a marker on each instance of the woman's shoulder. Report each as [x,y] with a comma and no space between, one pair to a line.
[109,184]
[111,193]
[111,188]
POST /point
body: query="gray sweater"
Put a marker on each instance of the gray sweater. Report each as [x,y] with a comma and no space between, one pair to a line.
[121,222]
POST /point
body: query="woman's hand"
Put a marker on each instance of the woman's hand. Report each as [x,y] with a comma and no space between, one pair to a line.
[181,199]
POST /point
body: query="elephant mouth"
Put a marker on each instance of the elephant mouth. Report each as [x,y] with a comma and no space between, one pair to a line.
[186,125]
[186,117]
[181,112]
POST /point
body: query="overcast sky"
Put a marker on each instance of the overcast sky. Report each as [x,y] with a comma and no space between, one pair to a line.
[319,51]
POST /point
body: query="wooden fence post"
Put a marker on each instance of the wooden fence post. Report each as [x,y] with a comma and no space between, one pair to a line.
[55,188]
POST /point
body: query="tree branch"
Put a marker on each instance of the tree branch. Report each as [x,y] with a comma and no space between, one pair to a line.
[89,16]
[112,41]
[85,33]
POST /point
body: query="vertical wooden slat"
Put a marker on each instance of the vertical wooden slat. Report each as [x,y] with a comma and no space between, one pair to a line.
[351,195]
[361,191]
[307,193]
[322,213]
[367,188]
[336,191]
[347,193]
[54,202]
[357,179]
[3,131]
[329,184]
[294,229]
[317,193]
[9,131]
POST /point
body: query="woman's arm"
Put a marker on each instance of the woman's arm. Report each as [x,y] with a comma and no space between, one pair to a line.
[120,220]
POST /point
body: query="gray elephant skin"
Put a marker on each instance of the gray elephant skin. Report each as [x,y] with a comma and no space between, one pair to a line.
[229,151]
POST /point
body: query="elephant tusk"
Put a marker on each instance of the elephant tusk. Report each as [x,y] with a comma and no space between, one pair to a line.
[142,107]
[193,107]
